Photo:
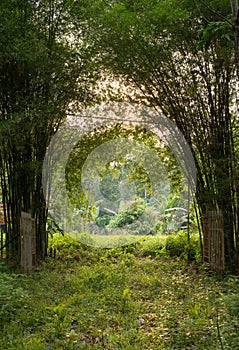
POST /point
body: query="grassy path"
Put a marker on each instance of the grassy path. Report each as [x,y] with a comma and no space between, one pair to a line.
[119,301]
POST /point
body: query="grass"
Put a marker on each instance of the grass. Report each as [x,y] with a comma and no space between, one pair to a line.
[121,298]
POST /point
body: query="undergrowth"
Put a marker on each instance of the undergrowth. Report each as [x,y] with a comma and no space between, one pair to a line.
[142,296]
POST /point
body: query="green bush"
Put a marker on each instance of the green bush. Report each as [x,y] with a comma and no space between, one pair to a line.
[127,216]
[153,246]
[177,245]
[137,219]
[69,249]
[103,220]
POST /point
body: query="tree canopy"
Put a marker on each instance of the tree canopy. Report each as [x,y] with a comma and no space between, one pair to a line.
[41,73]
[179,57]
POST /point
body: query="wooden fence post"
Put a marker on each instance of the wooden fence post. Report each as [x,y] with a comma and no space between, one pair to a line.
[213,240]
[28,243]
[2,227]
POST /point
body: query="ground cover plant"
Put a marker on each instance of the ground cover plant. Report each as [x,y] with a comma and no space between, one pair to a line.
[139,296]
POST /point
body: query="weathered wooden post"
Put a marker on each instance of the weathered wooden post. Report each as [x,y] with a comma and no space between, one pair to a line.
[28,243]
[213,242]
[2,230]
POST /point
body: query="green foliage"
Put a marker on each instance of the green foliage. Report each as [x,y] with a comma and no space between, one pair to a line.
[103,220]
[174,245]
[11,297]
[152,247]
[118,299]
[147,224]
[179,57]
[179,246]
[136,218]
[40,74]
[123,170]
[127,216]
[52,226]
[221,32]
[69,249]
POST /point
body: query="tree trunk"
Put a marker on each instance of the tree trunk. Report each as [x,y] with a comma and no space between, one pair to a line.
[235,17]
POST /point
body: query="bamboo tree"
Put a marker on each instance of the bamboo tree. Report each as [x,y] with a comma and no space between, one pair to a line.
[40,75]
[179,58]
[235,17]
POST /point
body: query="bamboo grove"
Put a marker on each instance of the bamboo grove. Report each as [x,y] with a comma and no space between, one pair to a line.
[40,75]
[181,58]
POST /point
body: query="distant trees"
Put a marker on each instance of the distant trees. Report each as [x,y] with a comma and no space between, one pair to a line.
[123,169]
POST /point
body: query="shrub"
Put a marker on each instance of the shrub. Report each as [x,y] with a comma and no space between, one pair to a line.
[153,246]
[137,219]
[127,216]
[103,220]
[178,246]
